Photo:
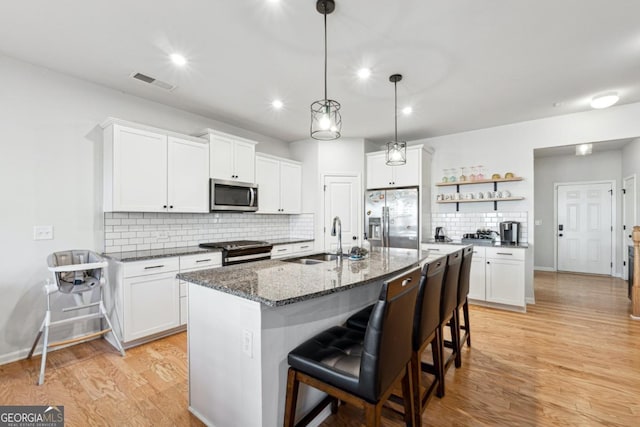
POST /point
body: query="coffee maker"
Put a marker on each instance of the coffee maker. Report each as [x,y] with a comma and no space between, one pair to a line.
[510,232]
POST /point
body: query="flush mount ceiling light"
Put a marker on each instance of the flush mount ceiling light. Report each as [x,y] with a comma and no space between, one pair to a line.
[277,104]
[583,149]
[407,110]
[326,122]
[396,150]
[178,59]
[605,100]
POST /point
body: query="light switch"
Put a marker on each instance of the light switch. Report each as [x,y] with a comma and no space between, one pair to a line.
[538,222]
[43,232]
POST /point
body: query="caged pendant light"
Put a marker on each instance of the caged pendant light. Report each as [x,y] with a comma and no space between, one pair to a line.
[326,122]
[396,150]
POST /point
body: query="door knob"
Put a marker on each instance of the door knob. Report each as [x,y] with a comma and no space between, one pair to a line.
[560,235]
[354,238]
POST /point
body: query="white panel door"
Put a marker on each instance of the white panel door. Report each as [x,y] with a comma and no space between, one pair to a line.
[268,179]
[629,219]
[139,170]
[379,175]
[290,188]
[342,198]
[188,176]
[584,228]
[244,161]
[221,158]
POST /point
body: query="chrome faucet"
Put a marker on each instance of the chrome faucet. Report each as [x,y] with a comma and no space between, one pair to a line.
[337,231]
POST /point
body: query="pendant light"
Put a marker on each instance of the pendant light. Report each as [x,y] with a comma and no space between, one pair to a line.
[326,122]
[396,150]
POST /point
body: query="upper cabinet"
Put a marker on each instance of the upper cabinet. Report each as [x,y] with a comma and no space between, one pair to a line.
[151,170]
[231,158]
[279,185]
[379,175]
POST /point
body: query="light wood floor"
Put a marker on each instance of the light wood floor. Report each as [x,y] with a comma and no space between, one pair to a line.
[572,360]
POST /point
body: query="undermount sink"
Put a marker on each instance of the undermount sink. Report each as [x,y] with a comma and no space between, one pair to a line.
[314,259]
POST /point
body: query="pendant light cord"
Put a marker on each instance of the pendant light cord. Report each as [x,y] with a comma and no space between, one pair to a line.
[395,91]
[325,50]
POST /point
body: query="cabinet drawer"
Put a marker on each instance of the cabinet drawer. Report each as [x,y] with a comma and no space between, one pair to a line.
[151,266]
[505,253]
[437,249]
[201,261]
[280,251]
[303,247]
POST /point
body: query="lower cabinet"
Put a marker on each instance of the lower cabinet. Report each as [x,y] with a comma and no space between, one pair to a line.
[290,249]
[145,299]
[497,276]
[497,273]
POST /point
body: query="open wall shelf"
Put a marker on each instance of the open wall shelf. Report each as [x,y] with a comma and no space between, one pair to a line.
[495,200]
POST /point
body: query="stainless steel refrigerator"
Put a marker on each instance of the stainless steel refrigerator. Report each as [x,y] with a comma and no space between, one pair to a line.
[392,218]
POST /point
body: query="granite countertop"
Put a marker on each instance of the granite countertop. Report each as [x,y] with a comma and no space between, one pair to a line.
[289,240]
[276,283]
[131,256]
[497,244]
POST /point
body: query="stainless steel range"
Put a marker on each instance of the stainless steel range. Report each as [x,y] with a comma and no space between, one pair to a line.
[241,251]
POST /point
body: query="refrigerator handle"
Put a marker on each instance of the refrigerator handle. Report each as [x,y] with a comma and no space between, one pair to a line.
[385,227]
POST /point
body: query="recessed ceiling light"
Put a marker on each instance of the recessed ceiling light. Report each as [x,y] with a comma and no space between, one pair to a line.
[605,100]
[407,110]
[364,73]
[178,59]
[583,149]
[277,104]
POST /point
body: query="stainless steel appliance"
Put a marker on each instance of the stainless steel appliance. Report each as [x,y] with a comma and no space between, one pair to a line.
[241,251]
[233,196]
[510,232]
[441,235]
[480,237]
[392,218]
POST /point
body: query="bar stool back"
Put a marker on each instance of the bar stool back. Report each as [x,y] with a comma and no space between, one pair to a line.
[361,368]
[448,304]
[463,303]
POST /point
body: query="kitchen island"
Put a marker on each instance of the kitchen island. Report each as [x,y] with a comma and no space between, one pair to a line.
[244,319]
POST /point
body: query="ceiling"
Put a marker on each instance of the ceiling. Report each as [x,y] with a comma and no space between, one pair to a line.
[467,64]
[570,150]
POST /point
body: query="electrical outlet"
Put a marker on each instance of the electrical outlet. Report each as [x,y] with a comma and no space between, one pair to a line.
[538,222]
[247,343]
[43,232]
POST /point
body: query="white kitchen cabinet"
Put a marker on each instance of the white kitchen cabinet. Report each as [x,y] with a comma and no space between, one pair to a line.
[291,249]
[477,289]
[379,175]
[189,263]
[505,276]
[146,301]
[231,158]
[279,185]
[151,170]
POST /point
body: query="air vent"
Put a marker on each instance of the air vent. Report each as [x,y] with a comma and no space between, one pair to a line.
[153,81]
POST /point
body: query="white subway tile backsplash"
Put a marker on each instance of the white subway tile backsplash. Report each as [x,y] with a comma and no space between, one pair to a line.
[459,223]
[143,231]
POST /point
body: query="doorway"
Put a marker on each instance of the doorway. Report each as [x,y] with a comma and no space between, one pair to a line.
[629,219]
[343,199]
[584,225]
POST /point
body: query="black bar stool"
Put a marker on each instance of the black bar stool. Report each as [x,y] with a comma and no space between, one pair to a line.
[463,303]
[425,331]
[356,367]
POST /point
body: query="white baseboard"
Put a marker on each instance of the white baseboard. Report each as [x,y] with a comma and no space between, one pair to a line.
[323,415]
[544,268]
[14,356]
[530,300]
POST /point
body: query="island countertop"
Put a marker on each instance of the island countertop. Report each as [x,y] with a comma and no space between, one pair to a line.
[277,282]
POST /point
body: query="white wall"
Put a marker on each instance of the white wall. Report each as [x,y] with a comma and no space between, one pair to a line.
[50,167]
[346,155]
[599,166]
[510,148]
[631,166]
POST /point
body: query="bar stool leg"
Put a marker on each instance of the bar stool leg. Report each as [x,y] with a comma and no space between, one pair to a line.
[438,354]
[465,312]
[291,399]
[407,397]
[455,337]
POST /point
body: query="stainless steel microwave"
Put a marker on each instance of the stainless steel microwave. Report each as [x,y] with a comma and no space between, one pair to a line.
[233,196]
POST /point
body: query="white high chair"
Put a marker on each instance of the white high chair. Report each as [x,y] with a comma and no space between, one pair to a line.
[76,272]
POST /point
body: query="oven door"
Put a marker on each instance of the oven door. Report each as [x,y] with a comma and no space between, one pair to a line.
[240,256]
[233,196]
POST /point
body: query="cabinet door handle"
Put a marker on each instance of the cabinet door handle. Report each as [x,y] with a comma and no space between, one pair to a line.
[153,266]
[503,253]
[437,250]
[281,250]
[304,247]
[203,260]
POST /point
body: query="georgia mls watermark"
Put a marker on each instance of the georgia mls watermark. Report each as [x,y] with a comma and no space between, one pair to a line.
[31,416]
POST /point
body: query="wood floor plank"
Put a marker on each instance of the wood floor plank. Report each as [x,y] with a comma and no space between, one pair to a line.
[572,360]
